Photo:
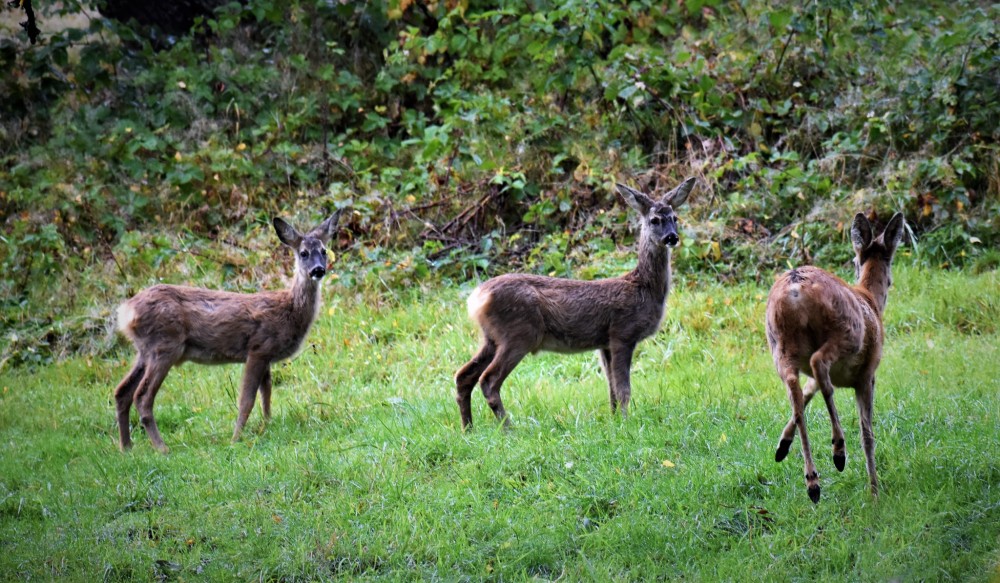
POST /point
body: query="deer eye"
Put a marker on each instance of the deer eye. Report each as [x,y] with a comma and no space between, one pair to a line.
[304,254]
[656,221]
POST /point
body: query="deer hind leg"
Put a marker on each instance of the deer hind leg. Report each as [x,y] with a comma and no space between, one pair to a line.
[790,376]
[253,376]
[145,395]
[865,397]
[467,377]
[503,363]
[621,368]
[788,433]
[124,393]
[820,363]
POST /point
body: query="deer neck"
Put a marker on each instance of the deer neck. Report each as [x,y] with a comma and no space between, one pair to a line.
[305,297]
[875,279]
[652,271]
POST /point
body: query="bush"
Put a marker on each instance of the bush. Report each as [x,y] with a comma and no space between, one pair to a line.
[471,137]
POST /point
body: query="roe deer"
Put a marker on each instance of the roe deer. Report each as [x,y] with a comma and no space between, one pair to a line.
[171,324]
[831,331]
[519,313]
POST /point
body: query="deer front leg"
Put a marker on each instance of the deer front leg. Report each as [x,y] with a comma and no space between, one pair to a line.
[820,364]
[791,378]
[265,394]
[788,433]
[253,374]
[605,356]
[865,397]
[621,367]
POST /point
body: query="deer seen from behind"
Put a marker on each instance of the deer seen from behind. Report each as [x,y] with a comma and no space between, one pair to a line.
[520,314]
[819,325]
[170,325]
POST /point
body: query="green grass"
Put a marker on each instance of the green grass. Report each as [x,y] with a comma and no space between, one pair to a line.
[365,472]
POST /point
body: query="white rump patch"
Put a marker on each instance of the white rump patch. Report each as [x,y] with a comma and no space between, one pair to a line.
[476,302]
[125,316]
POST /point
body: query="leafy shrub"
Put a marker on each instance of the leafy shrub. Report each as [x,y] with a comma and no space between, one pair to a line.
[469,137]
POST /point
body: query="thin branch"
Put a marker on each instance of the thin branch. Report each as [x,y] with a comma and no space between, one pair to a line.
[29,25]
[784,47]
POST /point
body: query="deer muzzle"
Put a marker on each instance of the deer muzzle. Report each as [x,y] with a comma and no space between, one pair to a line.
[671,239]
[317,272]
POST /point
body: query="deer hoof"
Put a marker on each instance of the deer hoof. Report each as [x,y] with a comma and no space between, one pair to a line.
[814,493]
[840,460]
[783,447]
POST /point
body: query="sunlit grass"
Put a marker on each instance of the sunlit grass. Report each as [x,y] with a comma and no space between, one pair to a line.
[364,470]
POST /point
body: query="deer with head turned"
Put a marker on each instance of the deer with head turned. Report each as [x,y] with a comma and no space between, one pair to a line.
[170,325]
[819,325]
[519,314]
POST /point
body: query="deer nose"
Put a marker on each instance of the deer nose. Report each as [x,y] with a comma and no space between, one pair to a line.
[317,272]
[671,239]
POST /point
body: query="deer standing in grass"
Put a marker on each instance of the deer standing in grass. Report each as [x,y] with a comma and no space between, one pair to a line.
[520,314]
[831,331]
[171,324]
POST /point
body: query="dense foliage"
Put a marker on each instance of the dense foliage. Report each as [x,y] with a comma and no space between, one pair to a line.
[469,135]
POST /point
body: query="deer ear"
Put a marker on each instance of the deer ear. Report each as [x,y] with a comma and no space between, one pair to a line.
[677,196]
[635,199]
[861,233]
[325,231]
[893,233]
[286,233]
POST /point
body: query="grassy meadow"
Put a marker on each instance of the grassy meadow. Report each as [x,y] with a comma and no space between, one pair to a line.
[364,471]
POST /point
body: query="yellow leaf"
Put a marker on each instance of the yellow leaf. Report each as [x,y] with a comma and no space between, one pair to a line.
[668,464]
